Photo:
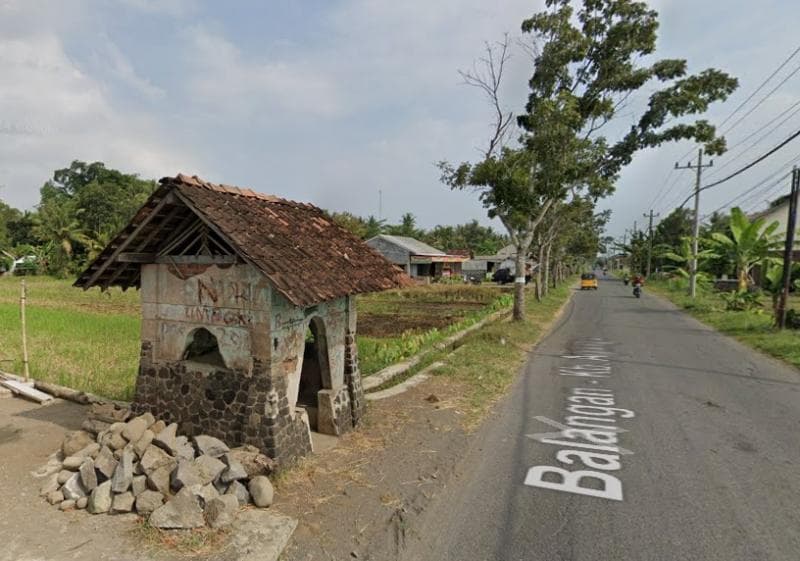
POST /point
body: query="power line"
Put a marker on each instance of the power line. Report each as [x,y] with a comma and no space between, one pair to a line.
[730,160]
[747,167]
[763,99]
[759,88]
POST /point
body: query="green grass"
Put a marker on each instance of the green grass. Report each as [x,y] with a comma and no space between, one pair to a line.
[90,340]
[754,328]
[490,358]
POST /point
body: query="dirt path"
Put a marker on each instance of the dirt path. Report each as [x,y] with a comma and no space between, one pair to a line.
[360,499]
[30,528]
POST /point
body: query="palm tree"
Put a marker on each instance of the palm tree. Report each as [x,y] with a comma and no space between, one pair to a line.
[56,224]
[750,242]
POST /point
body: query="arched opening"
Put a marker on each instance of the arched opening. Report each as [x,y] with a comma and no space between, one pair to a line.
[315,374]
[202,347]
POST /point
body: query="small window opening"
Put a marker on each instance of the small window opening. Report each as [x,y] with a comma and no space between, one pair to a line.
[202,347]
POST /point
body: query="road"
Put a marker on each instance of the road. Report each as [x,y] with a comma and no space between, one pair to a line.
[707,468]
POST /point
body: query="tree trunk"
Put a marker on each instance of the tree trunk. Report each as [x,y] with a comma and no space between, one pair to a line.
[519,285]
[546,270]
[742,279]
[539,277]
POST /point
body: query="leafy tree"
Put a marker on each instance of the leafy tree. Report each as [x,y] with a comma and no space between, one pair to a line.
[750,242]
[350,222]
[587,62]
[681,256]
[21,229]
[676,226]
[7,214]
[107,198]
[407,227]
[374,227]
[57,224]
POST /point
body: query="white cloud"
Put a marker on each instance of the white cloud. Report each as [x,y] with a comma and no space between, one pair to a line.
[249,87]
[121,68]
[175,8]
[54,112]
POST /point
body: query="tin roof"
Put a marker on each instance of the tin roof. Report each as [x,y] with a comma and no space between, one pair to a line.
[306,257]
[411,245]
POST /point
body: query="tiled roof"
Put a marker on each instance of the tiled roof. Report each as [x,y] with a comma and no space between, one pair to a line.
[305,256]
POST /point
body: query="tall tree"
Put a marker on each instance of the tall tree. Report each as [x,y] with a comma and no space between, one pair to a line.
[587,62]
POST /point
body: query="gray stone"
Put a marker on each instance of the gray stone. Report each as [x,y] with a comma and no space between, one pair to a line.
[63,475]
[185,451]
[88,475]
[68,504]
[148,501]
[158,426]
[181,512]
[185,475]
[117,441]
[55,497]
[122,502]
[50,484]
[154,458]
[221,511]
[134,429]
[108,412]
[81,503]
[100,499]
[73,488]
[235,470]
[72,463]
[253,461]
[208,468]
[94,426]
[123,475]
[240,492]
[90,451]
[76,441]
[144,441]
[159,479]
[116,427]
[105,463]
[261,491]
[166,438]
[259,535]
[138,485]
[204,493]
[210,446]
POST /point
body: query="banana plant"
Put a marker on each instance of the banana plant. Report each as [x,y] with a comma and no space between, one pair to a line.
[750,243]
[682,256]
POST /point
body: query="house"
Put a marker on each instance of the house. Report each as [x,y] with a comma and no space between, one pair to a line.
[417,259]
[505,258]
[778,211]
[248,313]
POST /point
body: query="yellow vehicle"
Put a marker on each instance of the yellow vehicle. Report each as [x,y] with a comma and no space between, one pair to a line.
[588,281]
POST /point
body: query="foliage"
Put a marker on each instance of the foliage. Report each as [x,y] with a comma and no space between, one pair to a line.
[586,63]
[793,319]
[750,242]
[740,301]
[682,256]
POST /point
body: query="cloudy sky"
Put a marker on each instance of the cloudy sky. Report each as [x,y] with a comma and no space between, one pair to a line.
[332,101]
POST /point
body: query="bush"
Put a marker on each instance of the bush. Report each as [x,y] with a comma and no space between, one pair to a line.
[740,301]
[793,319]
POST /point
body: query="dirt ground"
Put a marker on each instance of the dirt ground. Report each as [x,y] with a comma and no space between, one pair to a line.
[360,499]
[33,530]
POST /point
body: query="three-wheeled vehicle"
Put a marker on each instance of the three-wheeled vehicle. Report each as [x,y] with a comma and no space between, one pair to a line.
[588,281]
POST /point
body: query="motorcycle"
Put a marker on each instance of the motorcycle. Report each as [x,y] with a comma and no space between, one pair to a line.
[625,281]
[637,290]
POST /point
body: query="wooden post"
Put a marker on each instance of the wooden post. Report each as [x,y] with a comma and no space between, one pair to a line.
[791,224]
[24,334]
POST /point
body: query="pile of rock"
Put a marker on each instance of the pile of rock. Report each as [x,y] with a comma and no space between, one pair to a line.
[143,465]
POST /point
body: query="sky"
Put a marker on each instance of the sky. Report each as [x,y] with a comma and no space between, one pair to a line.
[347,104]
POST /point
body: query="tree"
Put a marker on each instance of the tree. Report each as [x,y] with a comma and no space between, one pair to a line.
[407,227]
[350,222]
[7,214]
[56,223]
[681,255]
[374,227]
[586,65]
[750,242]
[107,198]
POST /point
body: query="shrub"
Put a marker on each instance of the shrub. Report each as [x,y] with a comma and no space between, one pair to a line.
[740,301]
[793,319]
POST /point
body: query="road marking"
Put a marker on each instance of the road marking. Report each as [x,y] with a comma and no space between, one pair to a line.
[589,435]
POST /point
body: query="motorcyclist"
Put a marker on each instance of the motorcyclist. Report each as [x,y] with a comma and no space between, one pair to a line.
[637,279]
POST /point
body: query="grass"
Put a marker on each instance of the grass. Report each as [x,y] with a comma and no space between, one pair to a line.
[90,340]
[488,360]
[754,328]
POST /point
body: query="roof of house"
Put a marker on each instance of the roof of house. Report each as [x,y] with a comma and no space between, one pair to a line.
[305,256]
[411,245]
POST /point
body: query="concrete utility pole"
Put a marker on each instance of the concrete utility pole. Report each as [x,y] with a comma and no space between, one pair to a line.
[650,240]
[791,224]
[696,230]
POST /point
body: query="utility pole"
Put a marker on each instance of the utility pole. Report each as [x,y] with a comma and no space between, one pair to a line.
[791,224]
[650,240]
[696,229]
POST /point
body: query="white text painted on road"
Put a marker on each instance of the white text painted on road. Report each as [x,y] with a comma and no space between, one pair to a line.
[589,435]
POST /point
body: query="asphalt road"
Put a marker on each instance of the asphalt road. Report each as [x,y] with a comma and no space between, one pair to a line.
[708,468]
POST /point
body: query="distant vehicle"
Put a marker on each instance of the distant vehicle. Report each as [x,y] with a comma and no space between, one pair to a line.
[588,281]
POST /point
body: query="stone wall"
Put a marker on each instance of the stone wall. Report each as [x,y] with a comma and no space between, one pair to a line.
[252,398]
